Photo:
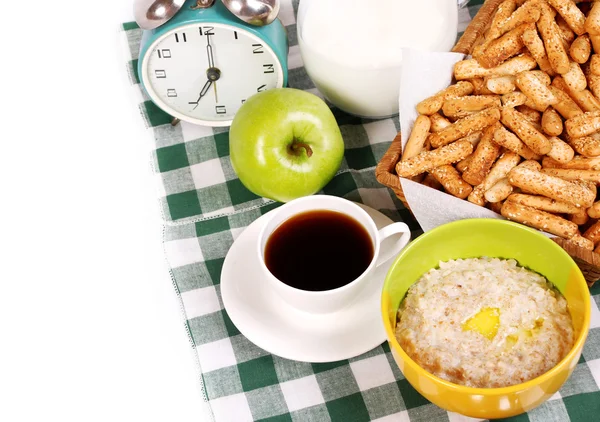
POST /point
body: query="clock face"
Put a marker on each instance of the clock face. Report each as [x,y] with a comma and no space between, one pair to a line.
[204,73]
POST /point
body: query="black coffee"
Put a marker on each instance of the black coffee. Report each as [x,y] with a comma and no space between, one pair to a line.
[319,250]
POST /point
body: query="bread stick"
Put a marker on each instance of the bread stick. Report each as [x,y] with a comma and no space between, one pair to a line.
[496,206]
[417,138]
[552,124]
[584,98]
[565,106]
[477,196]
[438,122]
[566,34]
[499,192]
[470,68]
[434,103]
[535,89]
[595,63]
[531,165]
[428,160]
[471,103]
[504,47]
[579,163]
[571,14]
[588,146]
[501,84]
[595,40]
[464,126]
[514,99]
[483,157]
[593,233]
[557,54]
[511,142]
[540,220]
[504,11]
[592,21]
[560,150]
[574,174]
[544,204]
[581,49]
[591,186]
[480,86]
[473,138]
[432,182]
[463,164]
[535,46]
[583,124]
[594,84]
[582,242]
[499,170]
[534,105]
[533,138]
[574,78]
[515,65]
[531,114]
[528,13]
[551,186]
[542,76]
[580,218]
[594,210]
[450,179]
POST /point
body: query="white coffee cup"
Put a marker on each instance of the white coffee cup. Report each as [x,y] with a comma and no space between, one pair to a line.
[329,300]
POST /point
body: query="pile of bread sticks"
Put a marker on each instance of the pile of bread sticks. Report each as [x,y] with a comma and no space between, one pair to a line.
[519,130]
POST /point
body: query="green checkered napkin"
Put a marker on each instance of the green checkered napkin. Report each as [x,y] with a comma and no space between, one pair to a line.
[206,207]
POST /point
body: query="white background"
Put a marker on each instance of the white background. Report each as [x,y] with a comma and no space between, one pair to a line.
[90,328]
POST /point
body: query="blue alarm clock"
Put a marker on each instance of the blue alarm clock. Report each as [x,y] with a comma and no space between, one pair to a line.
[203,63]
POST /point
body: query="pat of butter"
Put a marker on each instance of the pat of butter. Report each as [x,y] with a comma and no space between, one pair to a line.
[485,322]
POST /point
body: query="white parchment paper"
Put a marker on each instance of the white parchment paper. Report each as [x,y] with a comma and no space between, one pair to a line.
[422,75]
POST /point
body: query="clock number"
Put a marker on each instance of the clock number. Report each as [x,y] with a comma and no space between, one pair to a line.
[220,109]
[258,49]
[208,30]
[165,53]
[269,68]
[235,34]
[261,88]
[243,101]
[171,93]
[160,74]
[184,38]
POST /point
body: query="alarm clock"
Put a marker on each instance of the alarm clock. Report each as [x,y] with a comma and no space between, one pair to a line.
[204,63]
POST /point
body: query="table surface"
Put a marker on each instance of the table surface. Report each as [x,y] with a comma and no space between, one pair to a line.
[81,239]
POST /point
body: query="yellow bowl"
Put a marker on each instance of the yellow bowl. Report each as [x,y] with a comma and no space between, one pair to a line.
[473,238]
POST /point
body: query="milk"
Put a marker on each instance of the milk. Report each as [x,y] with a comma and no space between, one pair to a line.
[352,48]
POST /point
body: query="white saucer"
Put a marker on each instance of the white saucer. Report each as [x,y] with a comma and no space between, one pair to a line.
[268,322]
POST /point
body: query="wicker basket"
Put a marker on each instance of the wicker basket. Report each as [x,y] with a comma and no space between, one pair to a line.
[588,261]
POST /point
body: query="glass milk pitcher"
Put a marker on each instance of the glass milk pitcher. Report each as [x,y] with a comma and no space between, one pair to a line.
[351,49]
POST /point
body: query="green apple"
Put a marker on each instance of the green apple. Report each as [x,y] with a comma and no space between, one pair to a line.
[284,143]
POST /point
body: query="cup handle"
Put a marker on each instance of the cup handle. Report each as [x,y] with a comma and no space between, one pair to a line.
[391,230]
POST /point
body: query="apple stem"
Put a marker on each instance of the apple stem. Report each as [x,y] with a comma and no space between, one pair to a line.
[295,148]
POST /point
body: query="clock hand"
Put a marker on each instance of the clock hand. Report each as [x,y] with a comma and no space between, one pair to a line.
[202,93]
[211,63]
[209,51]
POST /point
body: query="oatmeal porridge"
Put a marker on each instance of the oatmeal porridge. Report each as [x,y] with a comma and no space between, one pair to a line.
[484,322]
